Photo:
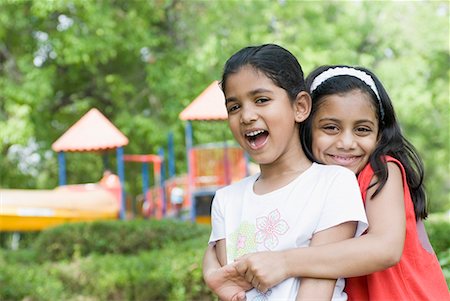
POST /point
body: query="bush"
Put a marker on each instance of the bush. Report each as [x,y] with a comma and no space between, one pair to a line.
[29,282]
[112,237]
[171,273]
[25,239]
[438,231]
[132,260]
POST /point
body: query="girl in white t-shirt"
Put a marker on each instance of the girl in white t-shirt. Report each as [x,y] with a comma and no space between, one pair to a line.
[292,202]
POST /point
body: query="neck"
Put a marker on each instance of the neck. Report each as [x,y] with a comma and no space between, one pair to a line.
[279,174]
[292,162]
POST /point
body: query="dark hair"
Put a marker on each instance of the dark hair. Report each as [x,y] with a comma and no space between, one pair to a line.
[391,140]
[276,62]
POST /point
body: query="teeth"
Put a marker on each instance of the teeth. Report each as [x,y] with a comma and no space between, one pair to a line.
[344,158]
[254,133]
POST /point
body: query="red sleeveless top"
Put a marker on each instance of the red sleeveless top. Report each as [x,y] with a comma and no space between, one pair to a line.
[418,275]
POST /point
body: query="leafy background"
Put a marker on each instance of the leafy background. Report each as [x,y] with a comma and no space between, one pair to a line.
[142,62]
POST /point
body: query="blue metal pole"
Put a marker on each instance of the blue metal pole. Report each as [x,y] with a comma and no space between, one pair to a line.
[162,181]
[121,173]
[62,168]
[188,136]
[171,156]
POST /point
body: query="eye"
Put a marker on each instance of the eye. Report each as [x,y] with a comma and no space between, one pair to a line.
[330,129]
[232,107]
[363,131]
[261,100]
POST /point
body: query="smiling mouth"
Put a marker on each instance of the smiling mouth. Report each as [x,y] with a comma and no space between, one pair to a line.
[345,160]
[256,139]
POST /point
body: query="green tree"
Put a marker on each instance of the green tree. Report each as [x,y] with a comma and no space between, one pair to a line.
[142,62]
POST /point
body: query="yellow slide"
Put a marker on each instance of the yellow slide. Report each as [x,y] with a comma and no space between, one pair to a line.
[32,210]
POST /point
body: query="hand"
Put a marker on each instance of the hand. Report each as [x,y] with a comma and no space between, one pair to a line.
[263,270]
[227,283]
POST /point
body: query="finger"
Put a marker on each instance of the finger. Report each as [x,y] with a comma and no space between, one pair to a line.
[230,270]
[240,266]
[248,276]
[263,289]
[255,284]
[239,297]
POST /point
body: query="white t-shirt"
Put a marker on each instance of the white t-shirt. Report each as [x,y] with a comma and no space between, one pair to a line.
[321,197]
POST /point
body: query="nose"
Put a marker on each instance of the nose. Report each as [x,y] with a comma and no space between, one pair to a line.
[248,115]
[346,141]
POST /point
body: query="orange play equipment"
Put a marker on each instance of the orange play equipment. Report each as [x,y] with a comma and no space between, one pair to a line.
[210,166]
[33,210]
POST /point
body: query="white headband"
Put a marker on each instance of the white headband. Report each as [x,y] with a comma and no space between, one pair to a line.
[332,72]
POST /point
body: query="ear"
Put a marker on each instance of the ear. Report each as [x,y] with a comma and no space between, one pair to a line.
[302,106]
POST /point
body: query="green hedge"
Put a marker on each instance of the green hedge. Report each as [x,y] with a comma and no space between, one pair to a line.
[26,239]
[113,237]
[438,229]
[127,260]
[171,273]
[439,233]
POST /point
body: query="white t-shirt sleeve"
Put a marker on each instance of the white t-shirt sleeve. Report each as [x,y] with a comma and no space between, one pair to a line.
[343,203]
[217,219]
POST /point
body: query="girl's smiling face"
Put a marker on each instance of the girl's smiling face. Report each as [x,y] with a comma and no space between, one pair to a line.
[345,130]
[261,116]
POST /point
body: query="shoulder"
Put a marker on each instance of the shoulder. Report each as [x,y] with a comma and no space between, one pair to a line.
[395,175]
[332,170]
[393,165]
[333,177]
[232,194]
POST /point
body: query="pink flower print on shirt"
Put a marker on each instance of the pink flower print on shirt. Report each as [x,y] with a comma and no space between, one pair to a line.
[242,240]
[269,228]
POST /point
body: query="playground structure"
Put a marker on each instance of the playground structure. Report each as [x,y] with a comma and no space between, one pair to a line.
[32,210]
[210,166]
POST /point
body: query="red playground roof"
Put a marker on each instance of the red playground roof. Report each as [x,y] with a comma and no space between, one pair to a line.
[209,105]
[91,133]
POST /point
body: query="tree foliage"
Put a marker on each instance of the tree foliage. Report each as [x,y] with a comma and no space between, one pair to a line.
[142,62]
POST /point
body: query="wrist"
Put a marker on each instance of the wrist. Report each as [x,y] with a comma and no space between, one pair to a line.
[286,264]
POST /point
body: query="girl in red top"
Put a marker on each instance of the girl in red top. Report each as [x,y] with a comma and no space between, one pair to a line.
[353,124]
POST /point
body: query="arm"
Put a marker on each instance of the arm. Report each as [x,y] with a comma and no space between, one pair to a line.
[221,252]
[379,249]
[224,281]
[322,289]
[210,262]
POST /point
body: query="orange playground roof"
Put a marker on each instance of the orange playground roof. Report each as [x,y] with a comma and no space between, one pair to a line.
[209,105]
[91,133]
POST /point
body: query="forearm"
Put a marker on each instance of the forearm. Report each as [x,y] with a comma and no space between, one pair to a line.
[210,261]
[348,258]
[316,289]
[379,249]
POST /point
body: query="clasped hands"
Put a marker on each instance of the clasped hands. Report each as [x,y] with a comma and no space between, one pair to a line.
[261,270]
